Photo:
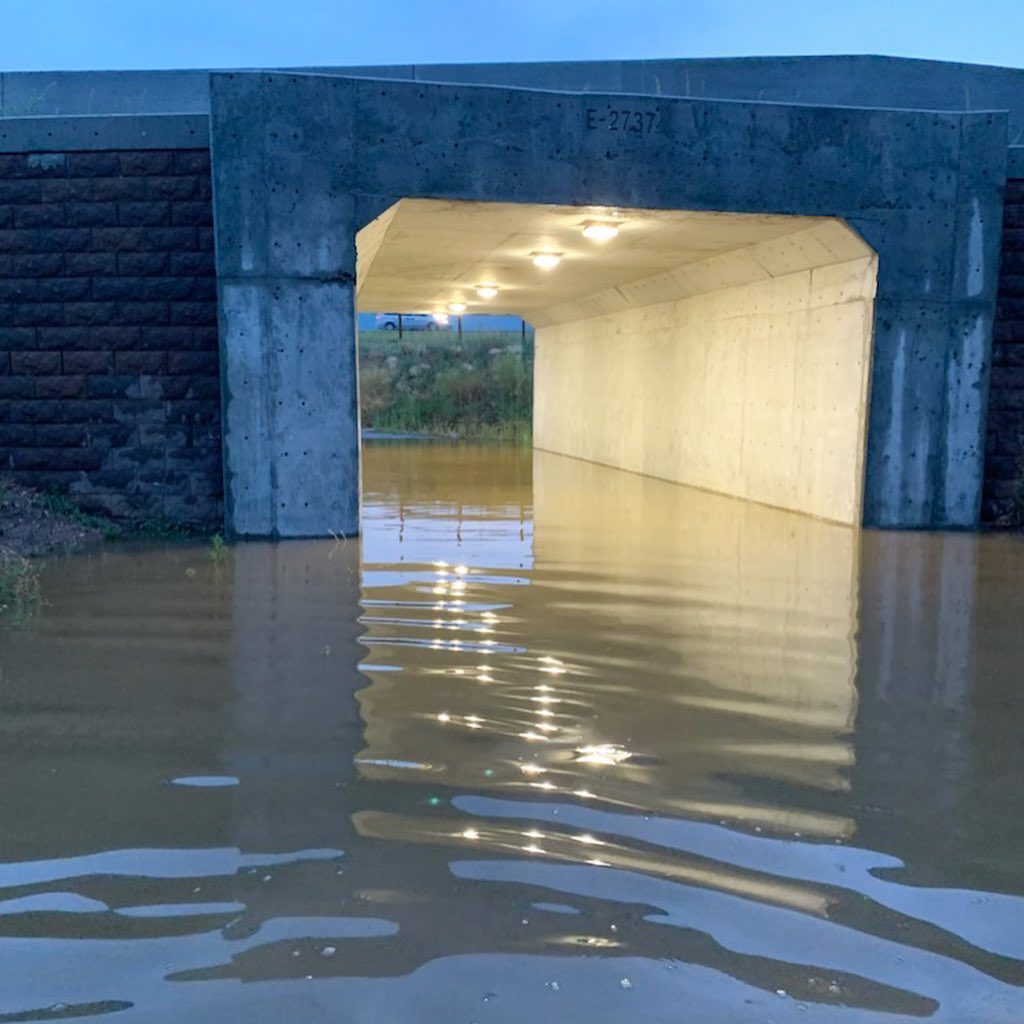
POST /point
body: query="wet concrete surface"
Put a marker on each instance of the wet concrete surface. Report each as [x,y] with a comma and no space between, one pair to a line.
[550,741]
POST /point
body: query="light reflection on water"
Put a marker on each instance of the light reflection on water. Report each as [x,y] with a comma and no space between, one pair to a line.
[551,740]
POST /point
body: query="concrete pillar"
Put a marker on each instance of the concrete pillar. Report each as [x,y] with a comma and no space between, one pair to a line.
[286,276]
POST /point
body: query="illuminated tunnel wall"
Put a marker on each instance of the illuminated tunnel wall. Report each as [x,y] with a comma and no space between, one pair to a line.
[745,374]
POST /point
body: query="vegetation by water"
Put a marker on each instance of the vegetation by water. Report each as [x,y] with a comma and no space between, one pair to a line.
[218,549]
[19,582]
[149,528]
[432,382]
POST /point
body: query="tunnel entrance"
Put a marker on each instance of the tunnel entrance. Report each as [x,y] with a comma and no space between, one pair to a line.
[726,351]
[735,361]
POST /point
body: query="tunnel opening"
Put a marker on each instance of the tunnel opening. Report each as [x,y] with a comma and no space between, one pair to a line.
[725,351]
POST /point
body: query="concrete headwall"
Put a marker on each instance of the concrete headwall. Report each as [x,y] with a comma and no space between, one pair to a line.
[302,162]
[108,329]
[757,390]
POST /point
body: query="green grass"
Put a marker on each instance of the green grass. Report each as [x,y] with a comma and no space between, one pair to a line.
[431,382]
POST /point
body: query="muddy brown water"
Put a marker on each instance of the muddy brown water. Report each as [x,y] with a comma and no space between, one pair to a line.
[551,742]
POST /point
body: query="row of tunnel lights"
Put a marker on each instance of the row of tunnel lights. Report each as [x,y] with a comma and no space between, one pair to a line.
[543,259]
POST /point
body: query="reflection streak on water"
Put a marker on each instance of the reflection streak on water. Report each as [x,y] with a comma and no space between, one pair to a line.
[613,746]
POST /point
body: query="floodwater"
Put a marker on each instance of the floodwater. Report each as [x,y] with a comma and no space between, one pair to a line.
[552,742]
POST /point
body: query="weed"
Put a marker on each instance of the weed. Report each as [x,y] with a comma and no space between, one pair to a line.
[19,582]
[157,528]
[218,549]
[375,388]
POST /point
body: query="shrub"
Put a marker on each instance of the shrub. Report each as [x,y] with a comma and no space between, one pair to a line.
[434,383]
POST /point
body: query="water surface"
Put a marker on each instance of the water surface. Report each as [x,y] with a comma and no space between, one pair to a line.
[551,741]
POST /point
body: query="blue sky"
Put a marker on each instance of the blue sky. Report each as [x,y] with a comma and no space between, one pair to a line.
[97,34]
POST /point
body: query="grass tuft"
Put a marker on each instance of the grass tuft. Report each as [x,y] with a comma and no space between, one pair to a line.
[218,550]
[19,582]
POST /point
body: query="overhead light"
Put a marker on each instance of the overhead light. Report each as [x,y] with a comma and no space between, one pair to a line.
[486,291]
[456,307]
[546,260]
[600,230]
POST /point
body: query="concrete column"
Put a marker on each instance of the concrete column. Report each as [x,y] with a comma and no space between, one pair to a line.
[286,276]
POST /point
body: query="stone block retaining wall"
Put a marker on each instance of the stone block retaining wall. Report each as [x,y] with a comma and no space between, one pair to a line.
[109,370]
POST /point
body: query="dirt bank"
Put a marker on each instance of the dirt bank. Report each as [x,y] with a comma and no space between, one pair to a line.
[29,528]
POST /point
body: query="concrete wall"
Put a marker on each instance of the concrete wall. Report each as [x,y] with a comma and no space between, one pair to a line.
[108,337]
[757,391]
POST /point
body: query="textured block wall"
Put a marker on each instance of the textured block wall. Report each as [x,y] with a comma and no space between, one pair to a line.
[109,379]
[1004,455]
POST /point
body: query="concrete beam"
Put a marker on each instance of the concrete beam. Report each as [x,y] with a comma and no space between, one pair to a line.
[130,131]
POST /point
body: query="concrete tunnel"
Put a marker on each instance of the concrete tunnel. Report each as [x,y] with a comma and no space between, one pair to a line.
[729,352]
[797,309]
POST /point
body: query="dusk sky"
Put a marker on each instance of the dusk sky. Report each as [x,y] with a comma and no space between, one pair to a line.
[99,34]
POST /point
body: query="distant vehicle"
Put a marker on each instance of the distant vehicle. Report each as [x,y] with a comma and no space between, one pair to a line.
[412,321]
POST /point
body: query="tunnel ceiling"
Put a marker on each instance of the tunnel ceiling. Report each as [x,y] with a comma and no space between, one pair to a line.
[422,254]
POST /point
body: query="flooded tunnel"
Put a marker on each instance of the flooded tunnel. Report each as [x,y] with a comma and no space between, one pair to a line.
[730,352]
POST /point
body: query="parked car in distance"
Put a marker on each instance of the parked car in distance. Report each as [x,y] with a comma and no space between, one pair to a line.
[412,321]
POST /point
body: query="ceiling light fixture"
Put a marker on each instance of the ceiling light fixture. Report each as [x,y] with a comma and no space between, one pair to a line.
[599,230]
[456,307]
[546,260]
[487,291]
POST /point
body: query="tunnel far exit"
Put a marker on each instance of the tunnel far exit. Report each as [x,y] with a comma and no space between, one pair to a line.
[725,351]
